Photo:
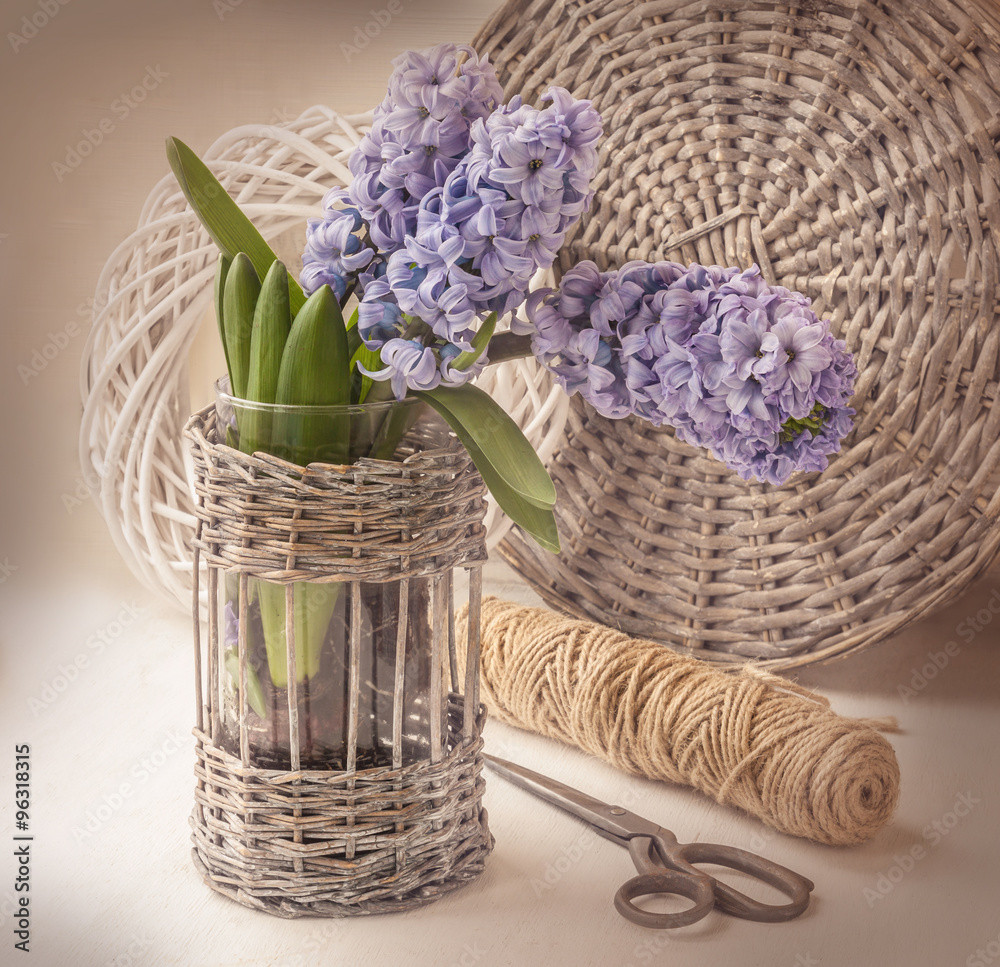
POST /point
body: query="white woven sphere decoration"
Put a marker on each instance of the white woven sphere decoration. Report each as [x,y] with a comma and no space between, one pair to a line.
[151,300]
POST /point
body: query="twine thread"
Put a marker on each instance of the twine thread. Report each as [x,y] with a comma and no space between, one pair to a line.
[746,738]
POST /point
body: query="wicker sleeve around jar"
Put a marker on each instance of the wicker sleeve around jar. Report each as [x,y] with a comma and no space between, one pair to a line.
[850,150]
[355,788]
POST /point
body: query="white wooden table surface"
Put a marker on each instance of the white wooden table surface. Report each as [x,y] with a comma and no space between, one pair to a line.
[96,673]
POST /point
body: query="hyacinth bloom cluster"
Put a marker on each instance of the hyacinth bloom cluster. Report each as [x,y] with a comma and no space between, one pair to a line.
[740,367]
[499,217]
[457,200]
[420,132]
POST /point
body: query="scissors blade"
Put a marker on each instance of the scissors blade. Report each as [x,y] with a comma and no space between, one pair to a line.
[616,820]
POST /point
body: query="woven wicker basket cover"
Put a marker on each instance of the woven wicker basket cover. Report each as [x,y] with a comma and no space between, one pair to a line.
[849,149]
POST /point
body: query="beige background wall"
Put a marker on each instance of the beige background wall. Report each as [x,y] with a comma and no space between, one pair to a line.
[208,67]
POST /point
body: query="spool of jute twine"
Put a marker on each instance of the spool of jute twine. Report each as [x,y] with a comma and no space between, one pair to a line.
[748,738]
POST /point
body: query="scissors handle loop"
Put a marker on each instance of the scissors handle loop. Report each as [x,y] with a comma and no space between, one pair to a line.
[730,900]
[694,887]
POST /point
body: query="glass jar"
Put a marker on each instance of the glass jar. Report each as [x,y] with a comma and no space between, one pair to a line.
[365,687]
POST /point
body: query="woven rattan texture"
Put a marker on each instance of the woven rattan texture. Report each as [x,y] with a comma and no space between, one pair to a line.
[337,844]
[850,149]
[377,520]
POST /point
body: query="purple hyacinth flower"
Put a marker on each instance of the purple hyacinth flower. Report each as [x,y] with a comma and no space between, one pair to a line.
[379,318]
[408,365]
[741,342]
[734,365]
[800,352]
[529,171]
[449,354]
[579,290]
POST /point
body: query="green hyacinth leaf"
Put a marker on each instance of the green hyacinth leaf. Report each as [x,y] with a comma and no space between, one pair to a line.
[536,520]
[272,619]
[353,335]
[371,359]
[315,360]
[313,606]
[238,303]
[221,271]
[475,416]
[228,227]
[255,694]
[272,322]
[315,371]
[479,343]
[360,384]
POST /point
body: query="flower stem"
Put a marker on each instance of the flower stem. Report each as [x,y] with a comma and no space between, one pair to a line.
[508,345]
[380,392]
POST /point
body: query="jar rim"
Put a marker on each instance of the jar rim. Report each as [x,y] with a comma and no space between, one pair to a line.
[224,395]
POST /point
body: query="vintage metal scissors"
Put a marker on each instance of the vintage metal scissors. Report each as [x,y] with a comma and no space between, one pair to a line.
[666,866]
